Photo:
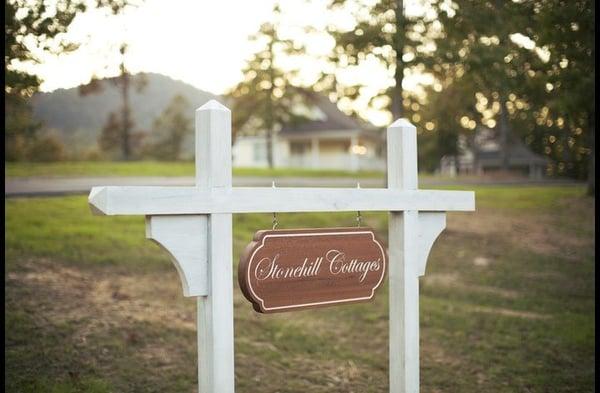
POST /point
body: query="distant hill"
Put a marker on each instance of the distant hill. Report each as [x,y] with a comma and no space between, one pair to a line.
[78,120]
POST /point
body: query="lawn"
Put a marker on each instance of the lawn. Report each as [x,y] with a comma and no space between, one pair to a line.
[507,305]
[155,168]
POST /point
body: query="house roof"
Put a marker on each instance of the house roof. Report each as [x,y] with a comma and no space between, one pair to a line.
[329,118]
[487,148]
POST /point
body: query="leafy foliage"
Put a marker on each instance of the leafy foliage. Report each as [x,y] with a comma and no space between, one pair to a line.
[33,29]
[522,68]
[385,33]
[512,62]
[170,130]
[120,127]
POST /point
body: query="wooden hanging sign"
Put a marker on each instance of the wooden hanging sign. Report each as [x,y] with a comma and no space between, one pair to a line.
[284,270]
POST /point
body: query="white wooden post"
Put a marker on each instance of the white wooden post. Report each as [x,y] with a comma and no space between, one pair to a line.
[411,235]
[194,225]
[215,311]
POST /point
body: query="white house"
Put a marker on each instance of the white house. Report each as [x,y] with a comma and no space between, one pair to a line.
[330,140]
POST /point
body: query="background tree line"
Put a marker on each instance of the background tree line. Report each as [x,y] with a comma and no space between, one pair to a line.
[524,69]
[34,27]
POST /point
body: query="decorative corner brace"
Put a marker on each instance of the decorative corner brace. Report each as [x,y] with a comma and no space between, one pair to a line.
[431,224]
[185,238]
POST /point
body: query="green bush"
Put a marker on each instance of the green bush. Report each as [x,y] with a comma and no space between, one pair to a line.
[46,148]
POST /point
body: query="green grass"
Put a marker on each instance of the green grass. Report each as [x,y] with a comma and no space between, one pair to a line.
[155,168]
[536,198]
[91,306]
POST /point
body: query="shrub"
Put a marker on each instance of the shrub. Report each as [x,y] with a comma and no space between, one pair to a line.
[46,148]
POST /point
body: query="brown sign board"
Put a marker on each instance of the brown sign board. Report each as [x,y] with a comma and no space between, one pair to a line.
[284,270]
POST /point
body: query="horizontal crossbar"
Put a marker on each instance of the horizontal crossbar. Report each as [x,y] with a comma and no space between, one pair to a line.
[114,200]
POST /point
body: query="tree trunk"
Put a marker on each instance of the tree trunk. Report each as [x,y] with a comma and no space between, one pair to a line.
[504,134]
[269,123]
[592,159]
[125,113]
[399,73]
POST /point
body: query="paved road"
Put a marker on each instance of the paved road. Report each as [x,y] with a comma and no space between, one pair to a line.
[44,186]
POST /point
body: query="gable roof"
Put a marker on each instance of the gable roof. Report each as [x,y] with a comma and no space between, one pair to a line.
[487,149]
[330,118]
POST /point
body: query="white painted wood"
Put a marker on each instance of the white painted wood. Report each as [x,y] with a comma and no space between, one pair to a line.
[194,224]
[184,238]
[402,155]
[213,146]
[431,224]
[215,311]
[403,303]
[190,200]
[403,254]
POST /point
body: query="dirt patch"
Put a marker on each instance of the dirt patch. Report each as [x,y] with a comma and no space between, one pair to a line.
[539,234]
[98,300]
[511,313]
[437,354]
[453,280]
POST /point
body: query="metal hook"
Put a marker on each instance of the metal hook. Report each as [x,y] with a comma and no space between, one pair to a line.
[275,222]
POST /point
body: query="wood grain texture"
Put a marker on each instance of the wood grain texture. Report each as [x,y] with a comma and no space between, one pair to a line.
[431,225]
[120,200]
[404,258]
[194,224]
[215,311]
[184,237]
[285,270]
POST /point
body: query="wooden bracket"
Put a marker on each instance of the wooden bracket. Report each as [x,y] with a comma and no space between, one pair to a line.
[185,238]
[431,224]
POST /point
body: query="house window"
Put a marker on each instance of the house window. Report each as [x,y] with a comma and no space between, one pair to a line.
[298,148]
[260,151]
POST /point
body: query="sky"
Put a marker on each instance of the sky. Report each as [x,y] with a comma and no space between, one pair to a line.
[202,43]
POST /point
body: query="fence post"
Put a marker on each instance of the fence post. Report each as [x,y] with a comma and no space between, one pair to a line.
[403,276]
[215,311]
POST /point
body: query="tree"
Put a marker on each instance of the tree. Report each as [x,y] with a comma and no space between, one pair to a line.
[46,148]
[566,30]
[124,82]
[31,27]
[170,130]
[522,68]
[385,32]
[477,52]
[110,139]
[530,69]
[34,28]
[266,97]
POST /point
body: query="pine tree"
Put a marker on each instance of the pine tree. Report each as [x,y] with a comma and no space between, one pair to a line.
[264,100]
[170,130]
[124,82]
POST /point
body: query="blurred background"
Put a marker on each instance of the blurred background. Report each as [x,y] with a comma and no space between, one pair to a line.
[102,92]
[492,87]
